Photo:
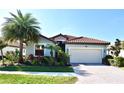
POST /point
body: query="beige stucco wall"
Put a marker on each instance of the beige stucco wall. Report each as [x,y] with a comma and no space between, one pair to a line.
[30,49]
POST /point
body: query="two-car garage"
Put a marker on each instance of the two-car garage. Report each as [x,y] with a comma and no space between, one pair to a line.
[86,50]
[85,55]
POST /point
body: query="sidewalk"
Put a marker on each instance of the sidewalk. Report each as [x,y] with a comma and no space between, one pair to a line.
[40,73]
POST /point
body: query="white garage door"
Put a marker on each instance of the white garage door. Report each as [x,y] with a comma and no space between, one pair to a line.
[85,56]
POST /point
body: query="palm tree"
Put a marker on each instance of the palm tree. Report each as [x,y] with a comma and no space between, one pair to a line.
[53,48]
[22,28]
[2,45]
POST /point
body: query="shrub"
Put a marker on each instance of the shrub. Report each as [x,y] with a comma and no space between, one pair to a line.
[112,62]
[51,61]
[48,61]
[63,57]
[105,60]
[120,61]
[117,61]
[61,63]
[12,56]
[31,57]
[27,63]
[35,62]
[39,58]
[7,62]
[44,61]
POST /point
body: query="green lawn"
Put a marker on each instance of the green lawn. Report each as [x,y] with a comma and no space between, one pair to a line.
[33,79]
[37,68]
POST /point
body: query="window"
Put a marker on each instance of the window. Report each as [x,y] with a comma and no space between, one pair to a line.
[61,44]
[39,50]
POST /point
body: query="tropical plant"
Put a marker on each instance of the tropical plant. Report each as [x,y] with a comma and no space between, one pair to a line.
[60,55]
[105,60]
[16,52]
[35,62]
[52,48]
[63,57]
[22,28]
[115,49]
[2,45]
[48,61]
[12,56]
[117,61]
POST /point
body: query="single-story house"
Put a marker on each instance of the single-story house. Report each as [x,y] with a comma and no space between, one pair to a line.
[81,49]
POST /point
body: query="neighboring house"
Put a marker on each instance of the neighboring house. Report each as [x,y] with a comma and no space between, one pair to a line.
[121,53]
[80,49]
[122,50]
[12,47]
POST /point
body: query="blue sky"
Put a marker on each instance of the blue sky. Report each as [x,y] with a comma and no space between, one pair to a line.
[100,24]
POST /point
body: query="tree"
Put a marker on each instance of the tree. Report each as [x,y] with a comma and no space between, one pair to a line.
[22,28]
[2,45]
[115,49]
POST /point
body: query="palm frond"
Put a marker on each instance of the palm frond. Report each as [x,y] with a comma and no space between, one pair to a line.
[2,44]
[20,14]
[21,27]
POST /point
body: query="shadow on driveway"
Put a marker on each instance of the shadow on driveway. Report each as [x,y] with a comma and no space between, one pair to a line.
[83,73]
[79,71]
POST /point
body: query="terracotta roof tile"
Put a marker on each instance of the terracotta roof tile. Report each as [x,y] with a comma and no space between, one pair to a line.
[75,39]
[69,37]
[87,40]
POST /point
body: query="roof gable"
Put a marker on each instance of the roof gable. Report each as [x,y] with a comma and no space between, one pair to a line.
[61,36]
[47,38]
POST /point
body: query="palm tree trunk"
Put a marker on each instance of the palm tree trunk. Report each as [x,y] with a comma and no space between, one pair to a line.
[21,52]
[2,56]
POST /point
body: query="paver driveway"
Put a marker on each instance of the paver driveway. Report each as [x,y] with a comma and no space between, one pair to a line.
[96,74]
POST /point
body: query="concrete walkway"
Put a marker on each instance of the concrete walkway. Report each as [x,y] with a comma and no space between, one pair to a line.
[99,74]
[40,73]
